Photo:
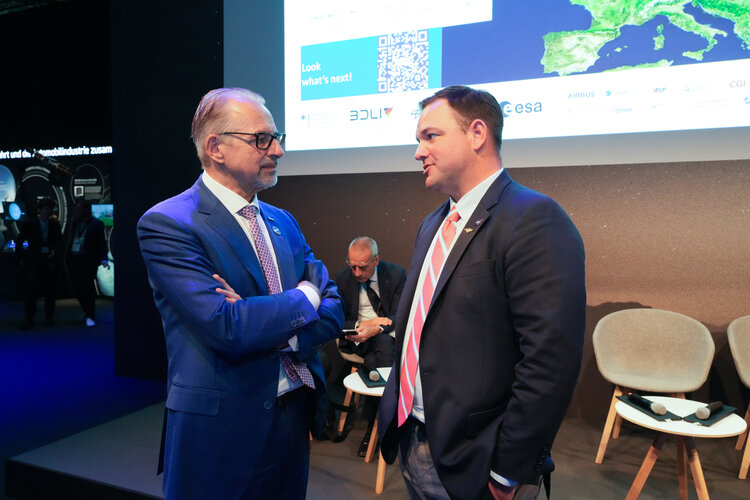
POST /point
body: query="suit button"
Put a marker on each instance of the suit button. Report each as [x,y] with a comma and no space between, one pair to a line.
[268,405]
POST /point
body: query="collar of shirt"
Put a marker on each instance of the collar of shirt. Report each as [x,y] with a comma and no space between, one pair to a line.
[231,200]
[469,202]
[374,277]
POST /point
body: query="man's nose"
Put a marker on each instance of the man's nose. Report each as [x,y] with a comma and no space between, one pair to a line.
[275,150]
[420,154]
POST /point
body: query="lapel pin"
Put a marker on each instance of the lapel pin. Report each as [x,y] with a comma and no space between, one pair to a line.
[476,223]
[276,230]
[468,230]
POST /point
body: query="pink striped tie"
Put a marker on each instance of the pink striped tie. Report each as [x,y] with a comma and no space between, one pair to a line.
[411,360]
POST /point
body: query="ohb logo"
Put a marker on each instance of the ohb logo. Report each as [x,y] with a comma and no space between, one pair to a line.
[369,114]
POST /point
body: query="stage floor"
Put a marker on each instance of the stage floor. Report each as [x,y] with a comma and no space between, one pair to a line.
[123,453]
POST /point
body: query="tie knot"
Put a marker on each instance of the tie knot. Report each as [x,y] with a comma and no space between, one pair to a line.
[453,216]
[248,211]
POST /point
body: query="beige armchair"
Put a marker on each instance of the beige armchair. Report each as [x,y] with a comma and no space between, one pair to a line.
[738,334]
[649,350]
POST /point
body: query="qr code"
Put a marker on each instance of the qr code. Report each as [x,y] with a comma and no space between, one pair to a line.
[402,61]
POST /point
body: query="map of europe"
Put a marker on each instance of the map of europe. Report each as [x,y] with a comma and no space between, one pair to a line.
[578,51]
[549,38]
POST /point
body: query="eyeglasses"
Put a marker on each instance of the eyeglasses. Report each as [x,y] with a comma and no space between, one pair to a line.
[263,140]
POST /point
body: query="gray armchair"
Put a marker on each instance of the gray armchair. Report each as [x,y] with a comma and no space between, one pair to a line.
[649,350]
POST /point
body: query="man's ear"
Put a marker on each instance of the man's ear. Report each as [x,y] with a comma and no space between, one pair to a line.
[211,145]
[479,134]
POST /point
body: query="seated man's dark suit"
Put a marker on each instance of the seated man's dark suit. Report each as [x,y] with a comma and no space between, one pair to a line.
[378,350]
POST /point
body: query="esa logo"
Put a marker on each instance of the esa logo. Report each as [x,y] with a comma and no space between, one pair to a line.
[520,108]
[369,114]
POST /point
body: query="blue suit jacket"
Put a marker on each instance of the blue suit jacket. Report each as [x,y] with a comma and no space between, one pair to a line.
[223,364]
[502,342]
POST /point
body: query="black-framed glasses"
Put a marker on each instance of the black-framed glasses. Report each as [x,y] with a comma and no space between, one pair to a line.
[263,140]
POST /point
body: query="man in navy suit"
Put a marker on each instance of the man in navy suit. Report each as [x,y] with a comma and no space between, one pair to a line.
[370,289]
[489,332]
[245,306]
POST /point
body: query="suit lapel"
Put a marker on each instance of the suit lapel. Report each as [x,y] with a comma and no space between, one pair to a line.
[472,227]
[224,223]
[353,291]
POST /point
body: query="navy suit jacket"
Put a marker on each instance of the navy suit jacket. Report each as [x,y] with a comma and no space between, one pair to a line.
[391,279]
[502,342]
[223,363]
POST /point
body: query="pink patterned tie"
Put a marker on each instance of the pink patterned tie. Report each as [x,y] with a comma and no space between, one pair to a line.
[293,368]
[411,360]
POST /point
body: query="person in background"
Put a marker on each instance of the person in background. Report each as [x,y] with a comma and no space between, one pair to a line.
[371,289]
[87,250]
[39,247]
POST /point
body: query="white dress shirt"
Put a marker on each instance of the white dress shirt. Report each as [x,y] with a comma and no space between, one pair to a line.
[234,203]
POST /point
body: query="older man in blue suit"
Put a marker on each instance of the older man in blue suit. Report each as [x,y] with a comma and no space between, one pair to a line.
[245,306]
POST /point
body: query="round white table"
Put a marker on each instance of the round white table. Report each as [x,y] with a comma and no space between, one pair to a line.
[684,432]
[354,383]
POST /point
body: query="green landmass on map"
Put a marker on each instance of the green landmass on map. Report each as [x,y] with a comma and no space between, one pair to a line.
[659,38]
[568,52]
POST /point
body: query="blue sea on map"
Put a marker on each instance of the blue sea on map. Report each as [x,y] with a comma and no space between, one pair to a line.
[638,44]
[511,46]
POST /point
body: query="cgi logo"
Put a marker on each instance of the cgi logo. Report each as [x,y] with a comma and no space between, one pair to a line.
[369,114]
[737,84]
[520,108]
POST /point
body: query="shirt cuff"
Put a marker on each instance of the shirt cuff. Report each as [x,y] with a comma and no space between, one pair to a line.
[502,480]
[294,343]
[311,293]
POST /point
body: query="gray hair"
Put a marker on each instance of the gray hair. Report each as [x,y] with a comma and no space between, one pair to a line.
[210,117]
[365,242]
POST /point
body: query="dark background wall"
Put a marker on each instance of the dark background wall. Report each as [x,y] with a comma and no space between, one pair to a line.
[165,56]
[669,235]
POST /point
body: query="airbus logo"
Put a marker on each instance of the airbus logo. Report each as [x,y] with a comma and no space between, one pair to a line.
[520,108]
[369,114]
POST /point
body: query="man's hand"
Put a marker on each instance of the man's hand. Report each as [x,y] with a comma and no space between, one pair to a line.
[379,321]
[501,492]
[368,328]
[364,333]
[227,291]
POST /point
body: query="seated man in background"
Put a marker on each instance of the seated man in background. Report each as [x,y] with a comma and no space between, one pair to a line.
[370,289]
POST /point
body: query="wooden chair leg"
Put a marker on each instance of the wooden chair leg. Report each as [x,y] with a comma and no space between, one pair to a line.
[745,462]
[616,426]
[742,437]
[373,442]
[347,400]
[608,425]
[682,467]
[695,467]
[646,466]
[380,478]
